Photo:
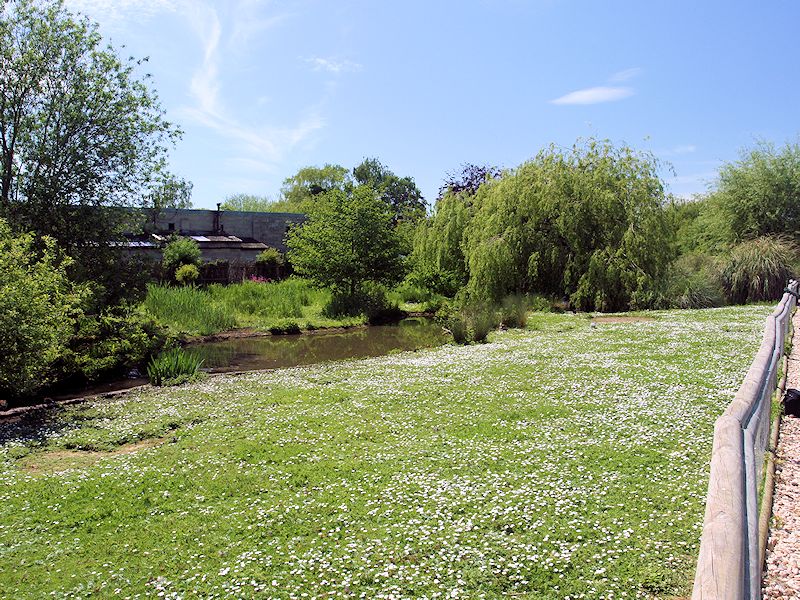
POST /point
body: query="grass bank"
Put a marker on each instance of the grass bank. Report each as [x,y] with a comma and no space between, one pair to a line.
[560,461]
[279,306]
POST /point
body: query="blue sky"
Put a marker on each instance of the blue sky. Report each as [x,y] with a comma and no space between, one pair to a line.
[263,88]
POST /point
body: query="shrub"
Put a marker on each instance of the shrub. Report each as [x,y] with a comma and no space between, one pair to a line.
[514,311]
[39,306]
[180,251]
[174,367]
[186,274]
[285,328]
[468,324]
[270,258]
[758,270]
[370,300]
[695,281]
[110,342]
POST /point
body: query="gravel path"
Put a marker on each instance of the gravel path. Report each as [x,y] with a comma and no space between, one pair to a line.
[782,577]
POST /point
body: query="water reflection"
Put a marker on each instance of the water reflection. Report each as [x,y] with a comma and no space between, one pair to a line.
[291,350]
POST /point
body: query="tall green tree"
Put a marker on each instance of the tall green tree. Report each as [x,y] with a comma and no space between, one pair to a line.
[760,193]
[401,194]
[247,202]
[349,239]
[301,191]
[79,130]
[588,222]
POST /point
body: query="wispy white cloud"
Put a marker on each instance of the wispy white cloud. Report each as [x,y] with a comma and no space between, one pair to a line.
[258,143]
[602,93]
[678,150]
[626,75]
[333,65]
[114,12]
[595,95]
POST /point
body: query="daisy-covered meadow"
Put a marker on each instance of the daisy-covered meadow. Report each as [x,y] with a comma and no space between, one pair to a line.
[562,461]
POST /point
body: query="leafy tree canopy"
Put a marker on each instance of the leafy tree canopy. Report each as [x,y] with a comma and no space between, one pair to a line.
[300,191]
[348,240]
[248,202]
[401,194]
[588,222]
[760,193]
[78,130]
[469,179]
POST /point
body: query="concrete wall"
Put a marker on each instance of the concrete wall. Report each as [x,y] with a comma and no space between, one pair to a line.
[268,228]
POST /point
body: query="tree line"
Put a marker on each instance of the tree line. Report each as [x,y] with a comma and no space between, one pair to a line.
[591,227]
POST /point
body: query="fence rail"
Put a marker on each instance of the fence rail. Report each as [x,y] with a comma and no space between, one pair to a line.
[729,565]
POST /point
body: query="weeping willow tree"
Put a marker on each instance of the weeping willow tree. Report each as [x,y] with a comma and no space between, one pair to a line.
[588,223]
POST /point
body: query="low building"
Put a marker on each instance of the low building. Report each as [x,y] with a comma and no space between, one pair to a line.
[222,235]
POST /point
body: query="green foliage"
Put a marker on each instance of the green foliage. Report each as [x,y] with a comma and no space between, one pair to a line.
[438,259]
[301,191]
[270,258]
[695,281]
[187,309]
[187,274]
[247,304]
[110,342]
[514,311]
[180,251]
[759,269]
[78,131]
[174,367]
[588,223]
[248,203]
[401,194]
[760,193]
[701,225]
[347,241]
[39,306]
[469,324]
[370,299]
[285,328]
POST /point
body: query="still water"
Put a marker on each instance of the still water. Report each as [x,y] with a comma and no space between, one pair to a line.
[246,354]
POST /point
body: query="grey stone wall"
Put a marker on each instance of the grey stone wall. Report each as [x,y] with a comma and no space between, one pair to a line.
[268,228]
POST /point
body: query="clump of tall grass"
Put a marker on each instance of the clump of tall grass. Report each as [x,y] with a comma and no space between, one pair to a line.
[469,324]
[695,281]
[277,300]
[514,311]
[174,367]
[758,269]
[188,309]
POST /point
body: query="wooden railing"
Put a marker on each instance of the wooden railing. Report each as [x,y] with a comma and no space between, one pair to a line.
[729,566]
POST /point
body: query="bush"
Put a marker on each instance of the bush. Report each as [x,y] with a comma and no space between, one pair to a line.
[759,269]
[695,281]
[468,324]
[39,307]
[270,258]
[186,274]
[108,343]
[370,300]
[174,367]
[180,251]
[285,328]
[514,311]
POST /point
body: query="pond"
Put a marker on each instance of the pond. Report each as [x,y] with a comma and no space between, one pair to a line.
[271,352]
[247,354]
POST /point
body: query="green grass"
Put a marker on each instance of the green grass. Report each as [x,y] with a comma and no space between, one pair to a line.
[263,306]
[559,461]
